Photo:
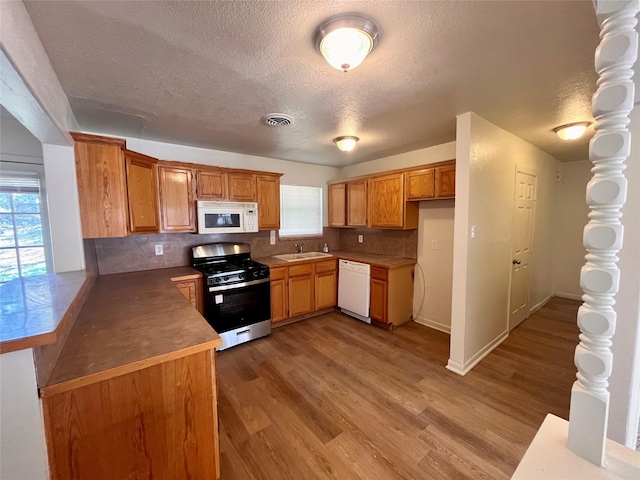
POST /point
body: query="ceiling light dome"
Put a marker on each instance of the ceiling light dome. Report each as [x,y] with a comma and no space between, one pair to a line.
[571,131]
[346,40]
[347,143]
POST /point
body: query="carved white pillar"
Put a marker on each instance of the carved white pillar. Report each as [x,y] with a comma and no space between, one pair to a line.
[606,193]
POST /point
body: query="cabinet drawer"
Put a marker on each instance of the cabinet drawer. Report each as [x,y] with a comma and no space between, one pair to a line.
[379,273]
[326,266]
[278,273]
[298,270]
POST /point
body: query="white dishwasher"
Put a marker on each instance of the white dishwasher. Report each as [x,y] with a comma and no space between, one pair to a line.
[354,288]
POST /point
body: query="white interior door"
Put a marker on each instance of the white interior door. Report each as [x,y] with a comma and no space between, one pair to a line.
[522,242]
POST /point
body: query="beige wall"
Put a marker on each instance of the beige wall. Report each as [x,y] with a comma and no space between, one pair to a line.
[434,273]
[485,177]
[572,217]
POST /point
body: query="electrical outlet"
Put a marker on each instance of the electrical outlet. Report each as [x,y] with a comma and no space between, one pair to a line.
[272,237]
[474,231]
[159,250]
[434,244]
[360,238]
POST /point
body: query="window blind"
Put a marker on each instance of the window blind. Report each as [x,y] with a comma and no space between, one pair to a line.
[19,183]
[300,210]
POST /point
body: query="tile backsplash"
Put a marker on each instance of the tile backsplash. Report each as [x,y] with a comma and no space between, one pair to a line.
[137,252]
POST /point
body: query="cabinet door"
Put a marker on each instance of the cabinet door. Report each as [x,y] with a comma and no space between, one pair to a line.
[337,205]
[268,202]
[378,304]
[211,184]
[421,184]
[176,199]
[279,294]
[387,201]
[357,203]
[101,186]
[301,295]
[326,290]
[142,190]
[446,182]
[242,187]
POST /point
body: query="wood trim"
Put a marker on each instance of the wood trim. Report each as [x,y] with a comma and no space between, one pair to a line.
[87,138]
[398,170]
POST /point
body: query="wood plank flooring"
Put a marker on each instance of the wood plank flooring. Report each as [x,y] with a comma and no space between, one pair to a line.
[331,397]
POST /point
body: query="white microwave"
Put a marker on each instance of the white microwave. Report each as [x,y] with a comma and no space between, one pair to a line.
[227,217]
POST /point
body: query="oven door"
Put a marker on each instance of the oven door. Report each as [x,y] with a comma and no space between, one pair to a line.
[228,307]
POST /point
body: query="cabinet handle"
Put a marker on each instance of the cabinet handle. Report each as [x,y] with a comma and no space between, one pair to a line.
[517,262]
[243,331]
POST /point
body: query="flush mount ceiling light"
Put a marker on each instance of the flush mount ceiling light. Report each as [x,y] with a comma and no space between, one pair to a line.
[346,40]
[346,144]
[571,131]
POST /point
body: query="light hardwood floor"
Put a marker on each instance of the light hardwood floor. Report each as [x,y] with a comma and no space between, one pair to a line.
[331,397]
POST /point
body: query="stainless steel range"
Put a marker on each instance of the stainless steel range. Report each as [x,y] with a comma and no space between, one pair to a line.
[237,292]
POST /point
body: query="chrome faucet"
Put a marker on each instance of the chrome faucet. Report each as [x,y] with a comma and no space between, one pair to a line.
[299,247]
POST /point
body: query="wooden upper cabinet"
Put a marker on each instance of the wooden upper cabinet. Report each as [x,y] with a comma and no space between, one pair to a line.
[142,192]
[242,187]
[268,189]
[177,206]
[420,184]
[387,201]
[337,205]
[102,187]
[212,184]
[357,203]
[446,182]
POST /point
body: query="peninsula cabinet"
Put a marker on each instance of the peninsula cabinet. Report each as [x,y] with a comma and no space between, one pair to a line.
[156,422]
[338,205]
[177,206]
[268,191]
[391,298]
[102,185]
[192,289]
[142,192]
[388,207]
[431,183]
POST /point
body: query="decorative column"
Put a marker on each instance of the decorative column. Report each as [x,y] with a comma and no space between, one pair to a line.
[606,193]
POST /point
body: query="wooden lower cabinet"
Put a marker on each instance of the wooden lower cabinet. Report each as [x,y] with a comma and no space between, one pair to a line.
[192,290]
[279,294]
[156,422]
[391,300]
[303,288]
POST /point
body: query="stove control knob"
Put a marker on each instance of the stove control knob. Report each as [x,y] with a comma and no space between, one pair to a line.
[226,278]
[256,274]
[241,276]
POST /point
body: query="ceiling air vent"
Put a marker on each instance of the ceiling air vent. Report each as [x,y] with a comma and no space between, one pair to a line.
[278,120]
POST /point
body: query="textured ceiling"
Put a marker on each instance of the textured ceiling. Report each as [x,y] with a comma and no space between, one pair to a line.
[204,73]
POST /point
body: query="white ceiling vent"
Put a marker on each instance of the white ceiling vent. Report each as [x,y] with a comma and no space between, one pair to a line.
[278,119]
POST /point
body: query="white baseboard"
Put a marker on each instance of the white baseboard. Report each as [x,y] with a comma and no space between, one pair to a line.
[538,306]
[463,369]
[427,322]
[570,296]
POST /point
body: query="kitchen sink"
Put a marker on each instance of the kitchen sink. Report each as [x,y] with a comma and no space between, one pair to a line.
[294,257]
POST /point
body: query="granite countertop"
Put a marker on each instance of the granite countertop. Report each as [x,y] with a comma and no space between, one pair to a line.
[383,261]
[130,321]
[34,310]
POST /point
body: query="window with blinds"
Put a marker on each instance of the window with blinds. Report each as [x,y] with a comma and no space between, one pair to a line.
[300,211]
[22,248]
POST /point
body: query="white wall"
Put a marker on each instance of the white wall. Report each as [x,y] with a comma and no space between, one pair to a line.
[17,144]
[624,383]
[424,156]
[294,173]
[23,454]
[485,178]
[432,291]
[572,217]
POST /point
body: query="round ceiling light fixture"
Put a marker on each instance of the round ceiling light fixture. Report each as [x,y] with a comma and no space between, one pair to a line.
[346,40]
[346,143]
[571,131]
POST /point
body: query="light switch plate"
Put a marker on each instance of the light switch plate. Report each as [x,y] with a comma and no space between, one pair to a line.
[474,231]
[360,239]
[434,244]
[272,237]
[159,250]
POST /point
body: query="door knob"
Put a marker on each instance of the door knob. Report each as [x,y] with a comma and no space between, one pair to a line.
[517,262]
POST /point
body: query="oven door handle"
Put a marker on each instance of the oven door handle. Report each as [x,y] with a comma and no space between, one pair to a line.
[234,286]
